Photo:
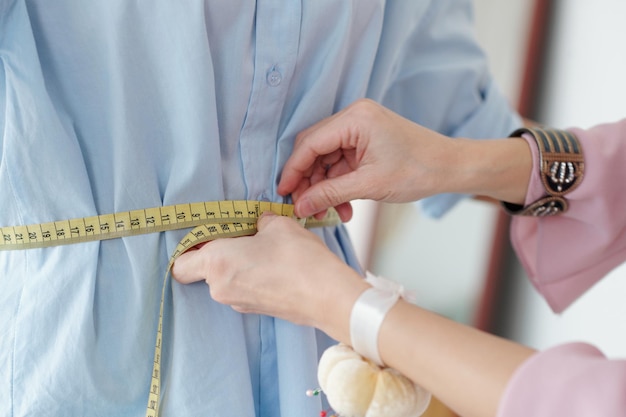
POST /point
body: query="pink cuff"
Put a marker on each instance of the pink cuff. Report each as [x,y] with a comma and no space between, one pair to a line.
[573,380]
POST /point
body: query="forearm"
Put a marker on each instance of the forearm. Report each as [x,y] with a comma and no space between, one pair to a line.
[465,368]
[333,294]
[496,168]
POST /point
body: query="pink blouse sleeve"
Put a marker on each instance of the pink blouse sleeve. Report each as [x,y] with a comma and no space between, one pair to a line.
[573,380]
[565,255]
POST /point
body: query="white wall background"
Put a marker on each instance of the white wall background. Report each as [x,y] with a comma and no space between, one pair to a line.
[585,85]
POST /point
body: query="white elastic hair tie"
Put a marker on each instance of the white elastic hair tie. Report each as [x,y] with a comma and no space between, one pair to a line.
[368,314]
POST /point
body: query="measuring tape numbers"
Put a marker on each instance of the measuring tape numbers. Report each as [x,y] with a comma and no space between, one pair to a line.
[210,220]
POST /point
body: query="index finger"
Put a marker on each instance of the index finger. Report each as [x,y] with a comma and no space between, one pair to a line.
[316,141]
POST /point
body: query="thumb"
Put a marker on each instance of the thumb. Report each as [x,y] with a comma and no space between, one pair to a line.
[188,267]
[265,219]
[330,193]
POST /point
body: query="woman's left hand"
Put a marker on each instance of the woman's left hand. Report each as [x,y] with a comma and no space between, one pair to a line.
[284,271]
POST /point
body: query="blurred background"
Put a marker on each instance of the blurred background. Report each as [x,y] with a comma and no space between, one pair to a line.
[560,63]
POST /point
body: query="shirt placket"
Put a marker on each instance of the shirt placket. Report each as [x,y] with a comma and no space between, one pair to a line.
[277,32]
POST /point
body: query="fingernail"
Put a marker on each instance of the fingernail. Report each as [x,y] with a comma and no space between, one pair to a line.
[304,207]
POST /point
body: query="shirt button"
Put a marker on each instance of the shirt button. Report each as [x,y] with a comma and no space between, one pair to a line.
[274,77]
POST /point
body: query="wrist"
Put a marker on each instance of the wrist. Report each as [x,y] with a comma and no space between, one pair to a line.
[332,314]
[368,314]
[495,168]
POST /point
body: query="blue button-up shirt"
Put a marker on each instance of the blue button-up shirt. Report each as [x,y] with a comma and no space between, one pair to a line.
[116,105]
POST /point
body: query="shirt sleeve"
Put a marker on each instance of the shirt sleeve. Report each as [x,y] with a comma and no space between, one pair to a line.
[574,380]
[567,254]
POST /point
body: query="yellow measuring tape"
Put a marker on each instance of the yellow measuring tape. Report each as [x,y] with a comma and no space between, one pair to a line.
[210,220]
